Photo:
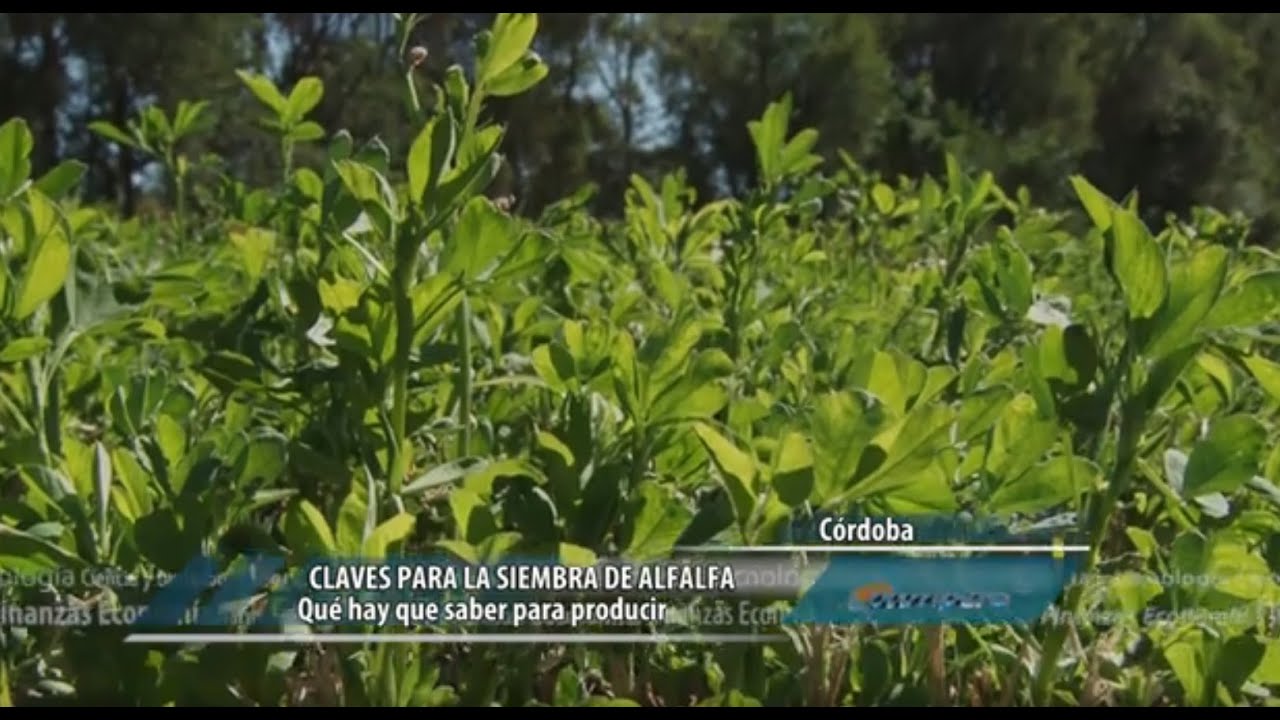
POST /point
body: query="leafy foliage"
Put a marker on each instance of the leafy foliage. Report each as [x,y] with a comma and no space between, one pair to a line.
[371,356]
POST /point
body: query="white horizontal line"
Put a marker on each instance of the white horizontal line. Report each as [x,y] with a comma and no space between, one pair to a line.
[439,638]
[883,548]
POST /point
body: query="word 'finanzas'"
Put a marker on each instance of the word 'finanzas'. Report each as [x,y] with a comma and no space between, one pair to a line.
[657,577]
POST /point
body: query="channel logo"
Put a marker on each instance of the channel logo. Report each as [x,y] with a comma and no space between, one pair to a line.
[894,590]
[881,596]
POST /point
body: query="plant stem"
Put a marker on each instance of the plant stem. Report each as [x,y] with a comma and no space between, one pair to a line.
[464,374]
[401,451]
[1100,519]
[180,200]
[6,700]
[286,159]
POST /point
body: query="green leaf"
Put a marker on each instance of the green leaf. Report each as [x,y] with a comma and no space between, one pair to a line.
[1236,660]
[163,541]
[16,144]
[512,35]
[113,133]
[303,98]
[576,555]
[769,133]
[885,383]
[306,530]
[387,534]
[1143,540]
[471,515]
[924,492]
[1227,457]
[6,698]
[795,157]
[1267,373]
[528,509]
[697,394]
[45,274]
[1068,355]
[883,197]
[445,474]
[339,295]
[913,444]
[793,469]
[1014,272]
[1193,290]
[1268,670]
[22,554]
[374,194]
[429,154]
[457,93]
[263,459]
[1053,482]
[1096,204]
[188,117]
[265,90]
[171,437]
[1132,591]
[467,178]
[254,246]
[657,523]
[1138,264]
[464,551]
[306,131]
[355,521]
[481,478]
[843,424]
[737,469]
[1252,302]
[599,506]
[482,236]
[981,410]
[1186,658]
[521,76]
[62,179]
[23,348]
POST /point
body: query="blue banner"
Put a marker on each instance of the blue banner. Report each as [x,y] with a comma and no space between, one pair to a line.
[929,590]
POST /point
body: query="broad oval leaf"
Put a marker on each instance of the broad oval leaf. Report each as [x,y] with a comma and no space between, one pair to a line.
[307,531]
[265,90]
[1252,302]
[61,179]
[22,348]
[1096,204]
[1193,290]
[737,469]
[521,76]
[793,469]
[45,274]
[1227,457]
[658,519]
[1266,372]
[511,37]
[429,154]
[306,94]
[16,144]
[1138,264]
[483,235]
[1053,482]
[387,534]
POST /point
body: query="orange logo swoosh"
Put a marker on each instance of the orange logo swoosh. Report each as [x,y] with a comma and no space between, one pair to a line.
[865,593]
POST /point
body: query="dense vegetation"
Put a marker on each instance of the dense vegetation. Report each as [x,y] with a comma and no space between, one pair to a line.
[1178,105]
[365,353]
